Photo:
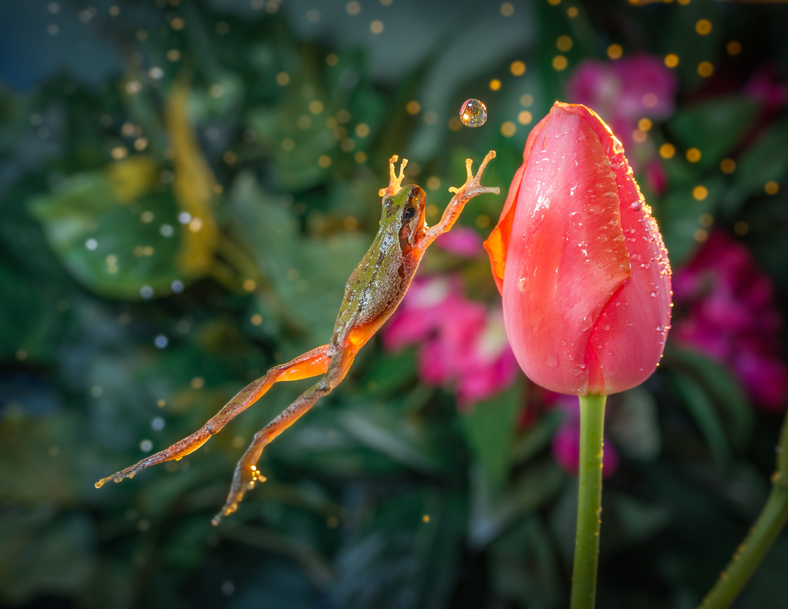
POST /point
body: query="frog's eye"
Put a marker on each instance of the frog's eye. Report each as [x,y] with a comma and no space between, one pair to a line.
[408,214]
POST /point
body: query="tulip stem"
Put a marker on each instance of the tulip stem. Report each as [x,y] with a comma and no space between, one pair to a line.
[760,538]
[589,501]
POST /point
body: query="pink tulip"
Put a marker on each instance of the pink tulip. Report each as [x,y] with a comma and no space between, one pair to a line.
[579,261]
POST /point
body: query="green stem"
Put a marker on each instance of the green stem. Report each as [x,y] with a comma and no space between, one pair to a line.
[589,501]
[763,533]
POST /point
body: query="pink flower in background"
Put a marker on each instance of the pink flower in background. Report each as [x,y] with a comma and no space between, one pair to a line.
[730,316]
[463,343]
[622,92]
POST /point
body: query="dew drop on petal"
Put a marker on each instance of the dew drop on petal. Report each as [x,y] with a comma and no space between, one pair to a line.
[473,113]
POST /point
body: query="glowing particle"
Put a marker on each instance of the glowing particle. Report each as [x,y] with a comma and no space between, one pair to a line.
[560,63]
[508,129]
[645,124]
[157,424]
[705,69]
[699,193]
[119,152]
[360,157]
[615,51]
[741,228]
[507,9]
[256,319]
[282,79]
[525,117]
[324,161]
[526,100]
[473,113]
[433,182]
[564,43]
[771,187]
[362,130]
[91,244]
[703,26]
[147,216]
[671,60]
[733,47]
[176,286]
[177,23]
[495,84]
[693,155]
[353,8]
[332,59]
[413,107]
[376,27]
[197,382]
[666,151]
[572,12]
[517,68]
[249,285]
[146,446]
[727,165]
[316,106]
[161,341]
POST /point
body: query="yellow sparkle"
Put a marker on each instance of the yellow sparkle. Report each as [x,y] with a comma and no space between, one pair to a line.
[727,165]
[671,60]
[517,68]
[197,382]
[560,63]
[376,27]
[615,51]
[771,187]
[146,216]
[433,182]
[564,43]
[639,136]
[700,235]
[324,161]
[425,518]
[703,27]
[177,23]
[525,117]
[526,100]
[507,9]
[413,107]
[705,69]
[554,2]
[282,79]
[119,152]
[495,84]
[173,55]
[693,155]
[249,285]
[666,151]
[700,192]
[733,47]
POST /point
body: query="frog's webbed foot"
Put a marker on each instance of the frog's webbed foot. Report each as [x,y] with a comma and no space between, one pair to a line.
[395,181]
[472,186]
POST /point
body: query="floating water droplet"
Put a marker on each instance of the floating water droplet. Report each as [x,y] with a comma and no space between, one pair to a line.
[473,113]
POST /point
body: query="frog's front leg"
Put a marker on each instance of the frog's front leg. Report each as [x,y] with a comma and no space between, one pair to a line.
[306,365]
[471,188]
[246,472]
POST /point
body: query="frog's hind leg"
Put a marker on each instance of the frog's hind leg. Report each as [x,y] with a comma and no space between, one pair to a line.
[312,363]
[246,473]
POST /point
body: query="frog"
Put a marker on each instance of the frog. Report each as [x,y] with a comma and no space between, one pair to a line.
[373,292]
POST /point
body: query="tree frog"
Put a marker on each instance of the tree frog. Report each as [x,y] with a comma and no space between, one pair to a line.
[372,294]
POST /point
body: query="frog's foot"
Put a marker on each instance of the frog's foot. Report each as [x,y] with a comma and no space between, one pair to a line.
[395,181]
[244,479]
[472,186]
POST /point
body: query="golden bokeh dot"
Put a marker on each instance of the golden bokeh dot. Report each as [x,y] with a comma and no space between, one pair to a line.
[343,116]
[282,79]
[705,69]
[360,157]
[701,234]
[119,152]
[353,8]
[256,319]
[671,60]
[554,2]
[525,117]
[727,165]
[249,285]
[332,59]
[287,144]
[426,517]
[693,155]
[771,187]
[639,136]
[706,220]
[229,157]
[507,9]
[703,26]
[700,192]
[316,106]
[430,117]
[161,402]
[733,47]
[560,63]
[324,161]
[526,99]
[347,145]
[350,222]
[615,51]
[362,130]
[645,124]
[376,27]
[508,129]
[177,23]
[197,382]
[666,151]
[564,43]
[432,210]
[482,220]
[572,12]
[433,182]
[495,84]
[173,55]
[683,2]
[741,228]
[455,124]
[517,68]
[413,107]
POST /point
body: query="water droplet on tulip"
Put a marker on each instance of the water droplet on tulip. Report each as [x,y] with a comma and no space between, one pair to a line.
[473,113]
[636,205]
[586,324]
[522,284]
[607,326]
[552,360]
[653,294]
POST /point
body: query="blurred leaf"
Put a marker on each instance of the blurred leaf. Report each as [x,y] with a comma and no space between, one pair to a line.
[489,429]
[680,213]
[702,409]
[714,127]
[765,160]
[630,521]
[634,424]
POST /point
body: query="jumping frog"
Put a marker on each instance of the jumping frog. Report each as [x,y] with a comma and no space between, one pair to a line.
[373,292]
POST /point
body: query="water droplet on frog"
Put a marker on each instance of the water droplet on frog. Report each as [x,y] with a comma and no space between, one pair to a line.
[473,113]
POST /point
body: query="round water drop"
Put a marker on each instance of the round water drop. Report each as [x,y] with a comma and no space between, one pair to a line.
[637,205]
[473,113]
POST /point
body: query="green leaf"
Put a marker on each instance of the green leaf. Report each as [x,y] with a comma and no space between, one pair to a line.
[765,160]
[702,409]
[714,127]
[634,424]
[489,429]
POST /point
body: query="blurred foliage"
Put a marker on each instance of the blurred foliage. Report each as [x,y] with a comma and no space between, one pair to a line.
[168,234]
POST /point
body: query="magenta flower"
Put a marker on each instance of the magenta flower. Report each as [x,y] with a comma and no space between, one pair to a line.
[463,343]
[730,315]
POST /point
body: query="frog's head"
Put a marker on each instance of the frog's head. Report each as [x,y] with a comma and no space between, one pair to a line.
[404,213]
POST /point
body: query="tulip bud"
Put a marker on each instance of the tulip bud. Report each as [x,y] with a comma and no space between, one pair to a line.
[579,261]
